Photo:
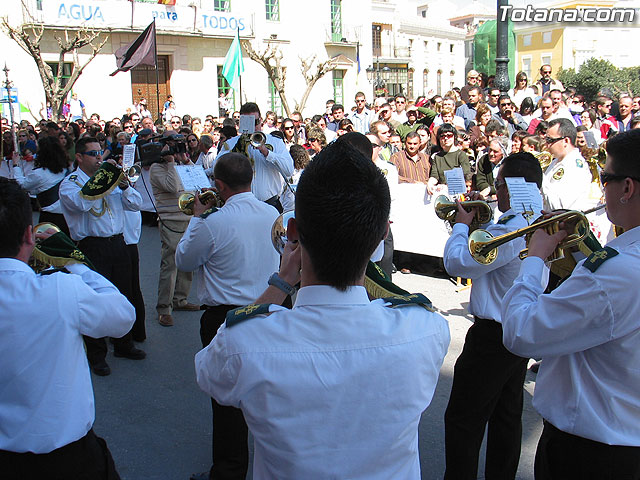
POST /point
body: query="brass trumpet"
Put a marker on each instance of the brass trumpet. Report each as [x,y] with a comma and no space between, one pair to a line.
[257,139]
[484,247]
[132,173]
[279,231]
[187,200]
[446,210]
[544,158]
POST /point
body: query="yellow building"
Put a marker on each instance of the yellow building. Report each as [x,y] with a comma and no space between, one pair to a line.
[554,37]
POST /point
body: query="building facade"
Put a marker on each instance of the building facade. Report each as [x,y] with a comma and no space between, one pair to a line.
[193,37]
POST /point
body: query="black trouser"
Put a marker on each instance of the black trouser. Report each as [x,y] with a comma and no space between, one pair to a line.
[85,459]
[230,432]
[487,388]
[386,262]
[111,260]
[138,331]
[564,456]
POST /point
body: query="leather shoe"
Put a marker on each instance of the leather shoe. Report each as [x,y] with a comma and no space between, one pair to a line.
[200,476]
[165,320]
[133,354]
[405,270]
[188,307]
[101,368]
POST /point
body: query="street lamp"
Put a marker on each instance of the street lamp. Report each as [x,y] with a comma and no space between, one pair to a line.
[8,85]
[379,77]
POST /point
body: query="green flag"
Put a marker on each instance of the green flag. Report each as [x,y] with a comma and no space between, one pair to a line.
[233,66]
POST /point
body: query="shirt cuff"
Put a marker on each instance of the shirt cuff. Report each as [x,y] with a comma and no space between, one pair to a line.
[532,266]
[461,228]
[77,268]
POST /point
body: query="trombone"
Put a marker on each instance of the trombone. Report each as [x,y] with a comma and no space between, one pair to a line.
[483,246]
[447,210]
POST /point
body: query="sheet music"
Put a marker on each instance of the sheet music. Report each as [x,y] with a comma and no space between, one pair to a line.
[247,124]
[455,181]
[193,177]
[128,156]
[524,196]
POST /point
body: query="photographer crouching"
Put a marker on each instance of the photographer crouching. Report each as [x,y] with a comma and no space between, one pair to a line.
[173,286]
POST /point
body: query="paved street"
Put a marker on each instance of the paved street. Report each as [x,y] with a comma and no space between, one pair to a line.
[157,422]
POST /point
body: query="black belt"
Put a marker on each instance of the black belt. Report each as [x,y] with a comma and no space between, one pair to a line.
[112,238]
[475,318]
[49,196]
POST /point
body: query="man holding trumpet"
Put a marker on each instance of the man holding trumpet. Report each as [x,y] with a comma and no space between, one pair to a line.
[488,379]
[587,332]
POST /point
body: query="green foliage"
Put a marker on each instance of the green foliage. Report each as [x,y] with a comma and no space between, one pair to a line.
[596,74]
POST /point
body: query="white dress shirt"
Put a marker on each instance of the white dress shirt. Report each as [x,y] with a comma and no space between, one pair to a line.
[132,227]
[588,335]
[572,189]
[361,121]
[490,282]
[37,181]
[230,251]
[333,388]
[46,397]
[83,216]
[267,171]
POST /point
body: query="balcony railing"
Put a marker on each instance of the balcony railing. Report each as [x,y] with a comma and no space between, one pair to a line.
[343,34]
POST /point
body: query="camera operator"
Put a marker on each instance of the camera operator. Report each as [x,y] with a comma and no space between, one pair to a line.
[173,286]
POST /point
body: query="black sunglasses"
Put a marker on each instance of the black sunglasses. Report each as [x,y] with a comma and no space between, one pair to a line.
[606,177]
[93,153]
[550,140]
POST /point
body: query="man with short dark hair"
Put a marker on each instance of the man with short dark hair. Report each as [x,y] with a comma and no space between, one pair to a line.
[98,225]
[314,382]
[468,110]
[337,113]
[588,336]
[270,165]
[546,83]
[231,254]
[400,113]
[487,390]
[508,117]
[567,179]
[546,113]
[46,400]
[362,116]
[413,165]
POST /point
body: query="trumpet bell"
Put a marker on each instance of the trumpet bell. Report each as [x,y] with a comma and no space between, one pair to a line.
[279,231]
[188,199]
[132,173]
[43,228]
[478,242]
[257,139]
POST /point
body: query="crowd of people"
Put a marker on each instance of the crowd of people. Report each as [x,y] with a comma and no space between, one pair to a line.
[312,383]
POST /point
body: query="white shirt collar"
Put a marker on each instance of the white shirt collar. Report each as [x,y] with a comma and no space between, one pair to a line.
[326,295]
[15,264]
[627,238]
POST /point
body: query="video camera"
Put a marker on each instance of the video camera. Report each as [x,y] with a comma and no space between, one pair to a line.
[153,151]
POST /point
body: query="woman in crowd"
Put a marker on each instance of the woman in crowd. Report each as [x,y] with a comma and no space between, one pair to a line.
[316,141]
[192,147]
[527,107]
[521,90]
[289,132]
[44,180]
[68,145]
[516,140]
[345,126]
[587,118]
[477,132]
[450,156]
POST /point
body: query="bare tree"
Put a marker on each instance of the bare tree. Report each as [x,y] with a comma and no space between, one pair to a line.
[29,35]
[271,60]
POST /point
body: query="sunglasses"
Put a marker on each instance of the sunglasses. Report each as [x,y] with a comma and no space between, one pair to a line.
[606,177]
[289,128]
[93,153]
[550,140]
[128,126]
[447,135]
[312,140]
[506,104]
[175,123]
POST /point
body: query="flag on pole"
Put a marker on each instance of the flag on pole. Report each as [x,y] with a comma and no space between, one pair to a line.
[233,66]
[140,52]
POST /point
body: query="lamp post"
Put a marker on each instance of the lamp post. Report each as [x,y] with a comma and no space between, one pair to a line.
[379,77]
[502,49]
[8,84]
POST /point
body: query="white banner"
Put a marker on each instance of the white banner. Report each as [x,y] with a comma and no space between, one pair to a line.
[105,14]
